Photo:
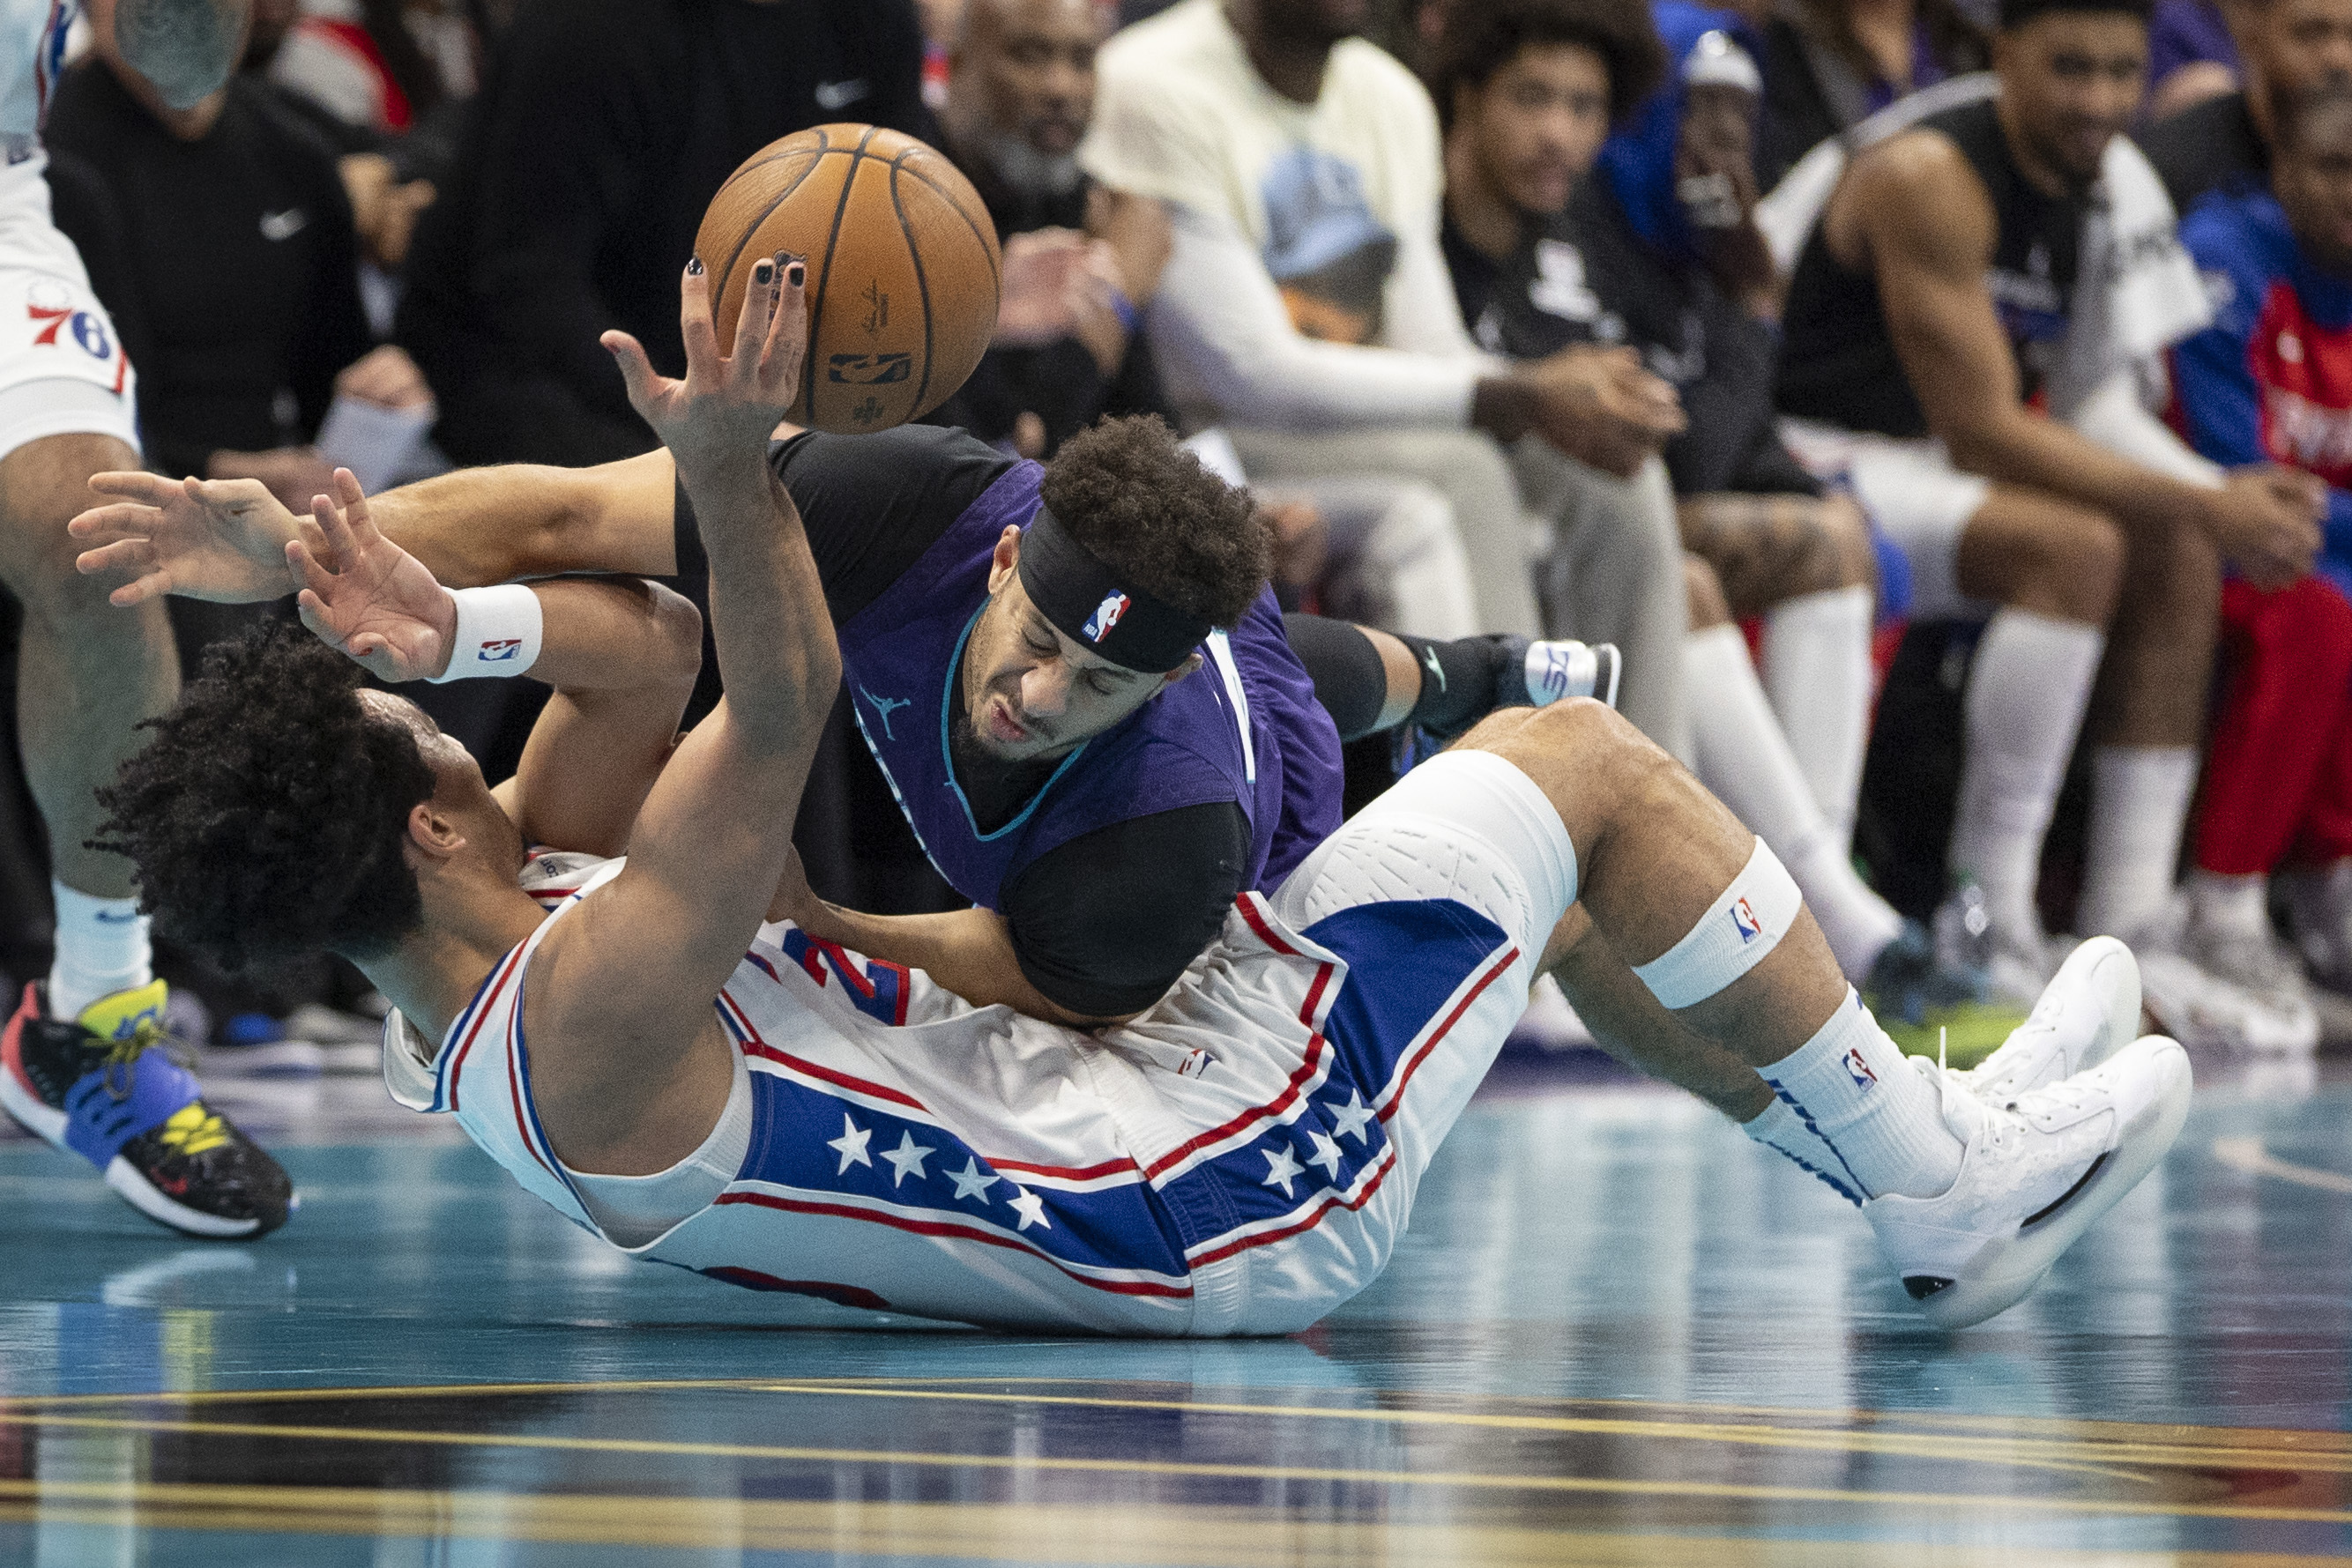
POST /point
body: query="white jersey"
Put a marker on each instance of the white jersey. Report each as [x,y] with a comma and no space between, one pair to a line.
[1239,1160]
[32,52]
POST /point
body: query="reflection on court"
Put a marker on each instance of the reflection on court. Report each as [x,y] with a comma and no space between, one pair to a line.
[1614,1335]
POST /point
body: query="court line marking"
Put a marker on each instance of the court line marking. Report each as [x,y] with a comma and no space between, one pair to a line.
[1459,1480]
[2248,1155]
[1215,1536]
[2100,1457]
[2080,1456]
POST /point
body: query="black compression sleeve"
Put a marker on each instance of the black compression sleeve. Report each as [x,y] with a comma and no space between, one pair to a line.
[1103,924]
[1351,682]
[872,503]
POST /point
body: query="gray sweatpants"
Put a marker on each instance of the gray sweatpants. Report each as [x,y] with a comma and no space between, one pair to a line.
[1615,573]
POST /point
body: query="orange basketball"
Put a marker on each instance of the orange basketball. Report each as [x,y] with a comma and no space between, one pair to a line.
[903,269]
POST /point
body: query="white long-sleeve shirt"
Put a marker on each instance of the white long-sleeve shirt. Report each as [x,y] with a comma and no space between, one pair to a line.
[1286,215]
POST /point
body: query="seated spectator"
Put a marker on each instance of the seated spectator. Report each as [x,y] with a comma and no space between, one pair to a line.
[601,132]
[1829,64]
[1306,310]
[1951,278]
[2285,48]
[2191,56]
[2271,381]
[1626,259]
[240,267]
[1080,262]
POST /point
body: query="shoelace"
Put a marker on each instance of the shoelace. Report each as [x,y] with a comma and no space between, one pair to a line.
[122,1057]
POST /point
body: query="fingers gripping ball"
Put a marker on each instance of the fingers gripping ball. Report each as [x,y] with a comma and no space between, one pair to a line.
[903,269]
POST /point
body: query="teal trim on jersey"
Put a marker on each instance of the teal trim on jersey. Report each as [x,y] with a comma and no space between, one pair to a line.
[947,755]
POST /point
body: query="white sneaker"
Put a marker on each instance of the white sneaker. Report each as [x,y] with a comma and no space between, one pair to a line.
[2089,1012]
[2033,1179]
[1561,668]
[2206,1012]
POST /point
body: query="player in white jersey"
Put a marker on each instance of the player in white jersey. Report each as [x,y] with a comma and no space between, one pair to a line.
[82,1061]
[614,1024]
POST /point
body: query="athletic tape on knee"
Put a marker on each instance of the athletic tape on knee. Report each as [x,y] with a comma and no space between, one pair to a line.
[1738,930]
[498,632]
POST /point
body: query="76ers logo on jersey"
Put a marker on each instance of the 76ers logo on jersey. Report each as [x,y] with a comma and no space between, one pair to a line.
[1859,1069]
[1104,617]
[500,651]
[1744,921]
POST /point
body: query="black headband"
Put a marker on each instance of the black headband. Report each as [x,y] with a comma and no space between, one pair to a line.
[1078,594]
[2017,13]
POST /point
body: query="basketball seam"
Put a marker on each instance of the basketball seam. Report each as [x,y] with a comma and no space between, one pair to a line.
[857,155]
[922,284]
[995,271]
[719,290]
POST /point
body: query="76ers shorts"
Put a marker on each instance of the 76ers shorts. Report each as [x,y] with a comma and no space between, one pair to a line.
[62,368]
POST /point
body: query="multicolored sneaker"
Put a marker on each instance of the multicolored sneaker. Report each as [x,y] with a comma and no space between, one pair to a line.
[103,1087]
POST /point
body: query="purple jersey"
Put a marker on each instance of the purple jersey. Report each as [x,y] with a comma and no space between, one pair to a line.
[1244,728]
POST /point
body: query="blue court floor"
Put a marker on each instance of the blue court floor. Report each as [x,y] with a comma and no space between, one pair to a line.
[1617,1334]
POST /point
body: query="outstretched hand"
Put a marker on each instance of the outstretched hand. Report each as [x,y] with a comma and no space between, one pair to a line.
[722,412]
[366,597]
[221,540]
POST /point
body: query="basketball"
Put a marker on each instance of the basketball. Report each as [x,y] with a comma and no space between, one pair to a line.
[903,269]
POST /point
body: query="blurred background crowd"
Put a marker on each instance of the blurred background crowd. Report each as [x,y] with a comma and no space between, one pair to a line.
[1481,296]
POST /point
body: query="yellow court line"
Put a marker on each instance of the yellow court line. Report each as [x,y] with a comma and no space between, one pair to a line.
[2101,1458]
[1457,1479]
[1205,1537]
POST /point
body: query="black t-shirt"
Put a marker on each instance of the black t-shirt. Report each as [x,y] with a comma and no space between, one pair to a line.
[602,130]
[871,505]
[1838,361]
[2208,146]
[1585,278]
[234,253]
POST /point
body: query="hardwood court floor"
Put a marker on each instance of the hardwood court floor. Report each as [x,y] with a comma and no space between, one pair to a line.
[1617,1335]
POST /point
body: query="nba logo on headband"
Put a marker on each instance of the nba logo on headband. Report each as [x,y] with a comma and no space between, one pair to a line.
[1104,617]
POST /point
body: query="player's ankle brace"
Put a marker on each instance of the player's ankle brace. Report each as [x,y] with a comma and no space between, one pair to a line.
[499,632]
[1742,925]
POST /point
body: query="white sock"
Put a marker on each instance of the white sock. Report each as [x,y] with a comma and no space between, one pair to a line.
[2024,706]
[1782,1130]
[1883,1118]
[1744,759]
[1817,670]
[2234,903]
[2139,801]
[101,949]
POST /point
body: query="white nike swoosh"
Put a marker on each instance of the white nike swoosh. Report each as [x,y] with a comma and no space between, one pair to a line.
[833,95]
[284,225]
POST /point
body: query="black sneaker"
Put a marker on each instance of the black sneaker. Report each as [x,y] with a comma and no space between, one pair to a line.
[103,1087]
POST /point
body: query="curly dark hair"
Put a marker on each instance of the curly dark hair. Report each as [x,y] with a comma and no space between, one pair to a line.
[266,816]
[1146,508]
[1481,37]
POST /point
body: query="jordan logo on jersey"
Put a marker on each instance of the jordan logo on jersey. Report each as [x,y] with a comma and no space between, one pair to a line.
[1106,616]
[1744,921]
[883,708]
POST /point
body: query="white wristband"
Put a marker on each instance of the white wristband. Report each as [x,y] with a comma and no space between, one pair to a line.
[498,632]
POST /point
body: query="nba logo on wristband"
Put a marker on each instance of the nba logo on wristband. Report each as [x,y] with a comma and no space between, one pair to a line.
[1743,919]
[502,650]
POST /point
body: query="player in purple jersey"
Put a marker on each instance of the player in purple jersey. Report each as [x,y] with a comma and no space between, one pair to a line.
[653,1062]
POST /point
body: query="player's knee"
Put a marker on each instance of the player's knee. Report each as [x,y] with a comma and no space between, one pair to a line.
[2174,569]
[1576,749]
[1704,590]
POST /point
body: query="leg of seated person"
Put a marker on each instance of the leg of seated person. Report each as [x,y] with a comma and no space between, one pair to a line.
[2054,568]
[1616,576]
[2149,712]
[1462,465]
[1396,560]
[1746,759]
[1805,564]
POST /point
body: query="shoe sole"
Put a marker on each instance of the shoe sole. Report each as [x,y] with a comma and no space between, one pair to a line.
[48,1124]
[2005,1272]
